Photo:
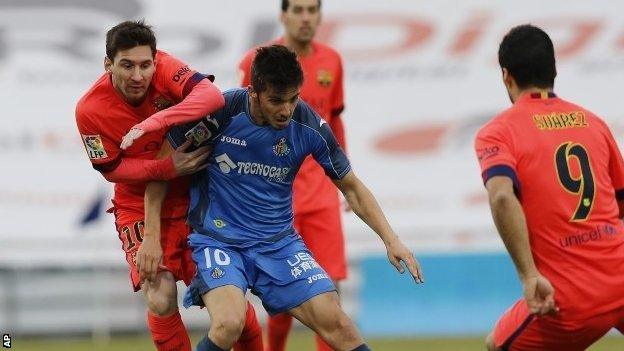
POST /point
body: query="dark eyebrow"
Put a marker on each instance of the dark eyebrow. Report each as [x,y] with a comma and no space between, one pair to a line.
[125,60]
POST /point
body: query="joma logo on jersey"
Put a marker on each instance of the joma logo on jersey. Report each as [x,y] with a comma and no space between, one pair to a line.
[94,146]
[234,141]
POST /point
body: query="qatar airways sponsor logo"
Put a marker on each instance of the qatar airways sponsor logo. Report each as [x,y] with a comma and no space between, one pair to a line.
[271,173]
[599,232]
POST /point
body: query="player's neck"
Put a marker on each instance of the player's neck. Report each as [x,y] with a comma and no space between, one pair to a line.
[531,90]
[300,48]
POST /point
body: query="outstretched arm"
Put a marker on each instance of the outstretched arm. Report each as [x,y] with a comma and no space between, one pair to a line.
[204,99]
[366,207]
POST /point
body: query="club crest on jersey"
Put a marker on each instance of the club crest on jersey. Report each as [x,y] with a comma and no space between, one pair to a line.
[217,273]
[94,146]
[281,148]
[324,78]
[161,103]
[198,134]
[219,223]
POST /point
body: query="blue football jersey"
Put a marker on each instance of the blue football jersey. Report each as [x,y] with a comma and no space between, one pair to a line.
[245,194]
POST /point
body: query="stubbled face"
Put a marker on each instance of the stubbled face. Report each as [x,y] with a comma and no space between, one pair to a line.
[131,72]
[301,20]
[275,108]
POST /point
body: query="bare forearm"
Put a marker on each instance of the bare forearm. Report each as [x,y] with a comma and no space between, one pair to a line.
[155,194]
[364,204]
[511,224]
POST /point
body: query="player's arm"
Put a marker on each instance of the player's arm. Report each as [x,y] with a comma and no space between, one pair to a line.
[199,98]
[497,161]
[366,207]
[337,101]
[616,169]
[149,255]
[178,163]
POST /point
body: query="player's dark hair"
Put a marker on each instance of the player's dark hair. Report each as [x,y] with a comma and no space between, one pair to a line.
[277,67]
[286,4]
[528,55]
[127,35]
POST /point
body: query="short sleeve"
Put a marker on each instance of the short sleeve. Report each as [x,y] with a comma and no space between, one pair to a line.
[495,156]
[323,144]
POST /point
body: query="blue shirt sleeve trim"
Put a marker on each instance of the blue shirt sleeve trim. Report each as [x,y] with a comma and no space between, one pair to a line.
[502,170]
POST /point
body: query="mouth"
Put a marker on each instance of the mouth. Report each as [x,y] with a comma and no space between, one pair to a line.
[282,121]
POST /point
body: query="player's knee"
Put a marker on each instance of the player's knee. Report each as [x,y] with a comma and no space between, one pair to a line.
[339,326]
[162,305]
[229,326]
[489,343]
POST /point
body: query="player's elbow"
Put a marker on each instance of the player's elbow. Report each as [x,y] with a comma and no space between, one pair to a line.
[501,199]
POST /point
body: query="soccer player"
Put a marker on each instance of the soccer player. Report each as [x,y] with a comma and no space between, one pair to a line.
[315,199]
[149,87]
[241,209]
[555,180]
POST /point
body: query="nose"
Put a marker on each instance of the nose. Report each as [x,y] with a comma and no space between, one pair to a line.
[136,75]
[287,110]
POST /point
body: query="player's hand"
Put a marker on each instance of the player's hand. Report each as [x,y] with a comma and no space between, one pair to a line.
[399,254]
[129,138]
[539,295]
[190,162]
[149,257]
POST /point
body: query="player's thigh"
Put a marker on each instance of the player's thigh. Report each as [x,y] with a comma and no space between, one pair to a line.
[519,330]
[322,233]
[217,264]
[176,253]
[130,233]
[287,275]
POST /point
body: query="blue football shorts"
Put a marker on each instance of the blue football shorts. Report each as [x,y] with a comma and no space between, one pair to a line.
[283,274]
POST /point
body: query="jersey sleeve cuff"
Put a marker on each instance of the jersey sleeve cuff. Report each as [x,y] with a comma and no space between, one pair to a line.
[502,170]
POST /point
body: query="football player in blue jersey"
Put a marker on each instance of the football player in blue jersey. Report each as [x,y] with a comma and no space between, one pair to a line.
[241,208]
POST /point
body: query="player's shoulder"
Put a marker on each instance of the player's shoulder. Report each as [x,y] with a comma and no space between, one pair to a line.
[589,116]
[326,50]
[304,115]
[235,96]
[95,100]
[499,123]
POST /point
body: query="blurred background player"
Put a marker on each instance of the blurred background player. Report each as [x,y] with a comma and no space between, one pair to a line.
[149,87]
[316,201]
[555,180]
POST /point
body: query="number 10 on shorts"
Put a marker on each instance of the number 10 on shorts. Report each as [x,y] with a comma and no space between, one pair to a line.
[221,258]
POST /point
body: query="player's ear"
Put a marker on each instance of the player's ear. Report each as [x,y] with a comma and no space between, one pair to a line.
[507,78]
[252,92]
[282,17]
[108,64]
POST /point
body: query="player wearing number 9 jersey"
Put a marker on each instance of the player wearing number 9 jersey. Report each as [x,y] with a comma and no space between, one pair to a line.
[555,177]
